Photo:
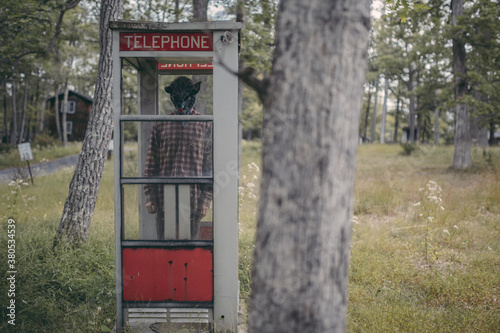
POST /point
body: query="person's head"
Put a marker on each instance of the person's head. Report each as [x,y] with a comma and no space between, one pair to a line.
[183,94]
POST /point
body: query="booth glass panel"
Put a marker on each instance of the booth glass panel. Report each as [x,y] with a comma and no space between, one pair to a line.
[129,89]
[167,212]
[167,149]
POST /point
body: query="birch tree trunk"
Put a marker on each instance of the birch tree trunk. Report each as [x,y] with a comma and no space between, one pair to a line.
[462,157]
[312,108]
[83,189]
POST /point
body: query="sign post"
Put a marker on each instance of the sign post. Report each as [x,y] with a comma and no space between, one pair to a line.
[26,155]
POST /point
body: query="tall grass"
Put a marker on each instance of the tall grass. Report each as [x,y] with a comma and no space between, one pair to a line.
[62,289]
[408,273]
[425,260]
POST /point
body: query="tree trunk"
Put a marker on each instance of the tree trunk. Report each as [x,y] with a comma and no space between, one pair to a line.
[41,119]
[64,109]
[200,14]
[492,133]
[396,121]
[200,10]
[23,114]
[56,108]
[367,114]
[5,121]
[384,112]
[13,128]
[312,110]
[436,126]
[462,157]
[479,128]
[374,117]
[83,189]
[411,121]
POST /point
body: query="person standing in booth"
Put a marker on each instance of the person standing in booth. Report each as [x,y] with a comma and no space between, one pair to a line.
[180,149]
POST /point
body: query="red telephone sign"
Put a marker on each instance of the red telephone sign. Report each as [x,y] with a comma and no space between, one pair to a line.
[153,41]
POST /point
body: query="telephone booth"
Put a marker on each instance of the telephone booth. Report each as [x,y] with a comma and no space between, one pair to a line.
[176,232]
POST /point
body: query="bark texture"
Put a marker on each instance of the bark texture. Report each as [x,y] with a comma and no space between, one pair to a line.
[84,186]
[311,122]
[462,156]
[200,10]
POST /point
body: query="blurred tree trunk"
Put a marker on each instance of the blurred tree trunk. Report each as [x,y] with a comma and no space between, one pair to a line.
[200,14]
[23,112]
[64,109]
[367,113]
[462,157]
[312,105]
[43,109]
[384,112]
[200,10]
[479,128]
[83,189]
[5,114]
[436,126]
[396,120]
[13,127]
[374,117]
[56,110]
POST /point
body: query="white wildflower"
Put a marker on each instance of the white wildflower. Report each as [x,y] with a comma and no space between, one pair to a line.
[447,232]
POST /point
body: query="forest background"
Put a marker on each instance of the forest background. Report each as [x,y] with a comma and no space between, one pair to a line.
[50,47]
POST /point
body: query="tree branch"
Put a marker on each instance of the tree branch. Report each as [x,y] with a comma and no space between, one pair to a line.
[247,75]
[70,4]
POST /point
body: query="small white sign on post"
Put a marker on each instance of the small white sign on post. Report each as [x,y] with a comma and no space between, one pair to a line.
[26,155]
[25,151]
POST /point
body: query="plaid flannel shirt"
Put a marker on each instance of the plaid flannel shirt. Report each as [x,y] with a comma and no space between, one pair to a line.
[180,149]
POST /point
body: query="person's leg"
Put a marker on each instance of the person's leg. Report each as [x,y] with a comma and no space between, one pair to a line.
[160,225]
[195,224]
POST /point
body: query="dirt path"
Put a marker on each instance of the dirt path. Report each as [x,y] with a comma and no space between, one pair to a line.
[39,169]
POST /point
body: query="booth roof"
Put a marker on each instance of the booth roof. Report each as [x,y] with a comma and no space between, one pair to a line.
[163,26]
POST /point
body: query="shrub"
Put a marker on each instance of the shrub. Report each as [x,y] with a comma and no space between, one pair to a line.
[5,148]
[44,140]
[408,148]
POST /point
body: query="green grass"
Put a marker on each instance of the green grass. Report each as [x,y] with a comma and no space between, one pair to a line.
[407,274]
[411,274]
[66,289]
[11,159]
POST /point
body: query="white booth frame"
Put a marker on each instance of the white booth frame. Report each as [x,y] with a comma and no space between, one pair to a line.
[225,157]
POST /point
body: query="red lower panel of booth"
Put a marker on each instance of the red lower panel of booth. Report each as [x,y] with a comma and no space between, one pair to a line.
[179,274]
